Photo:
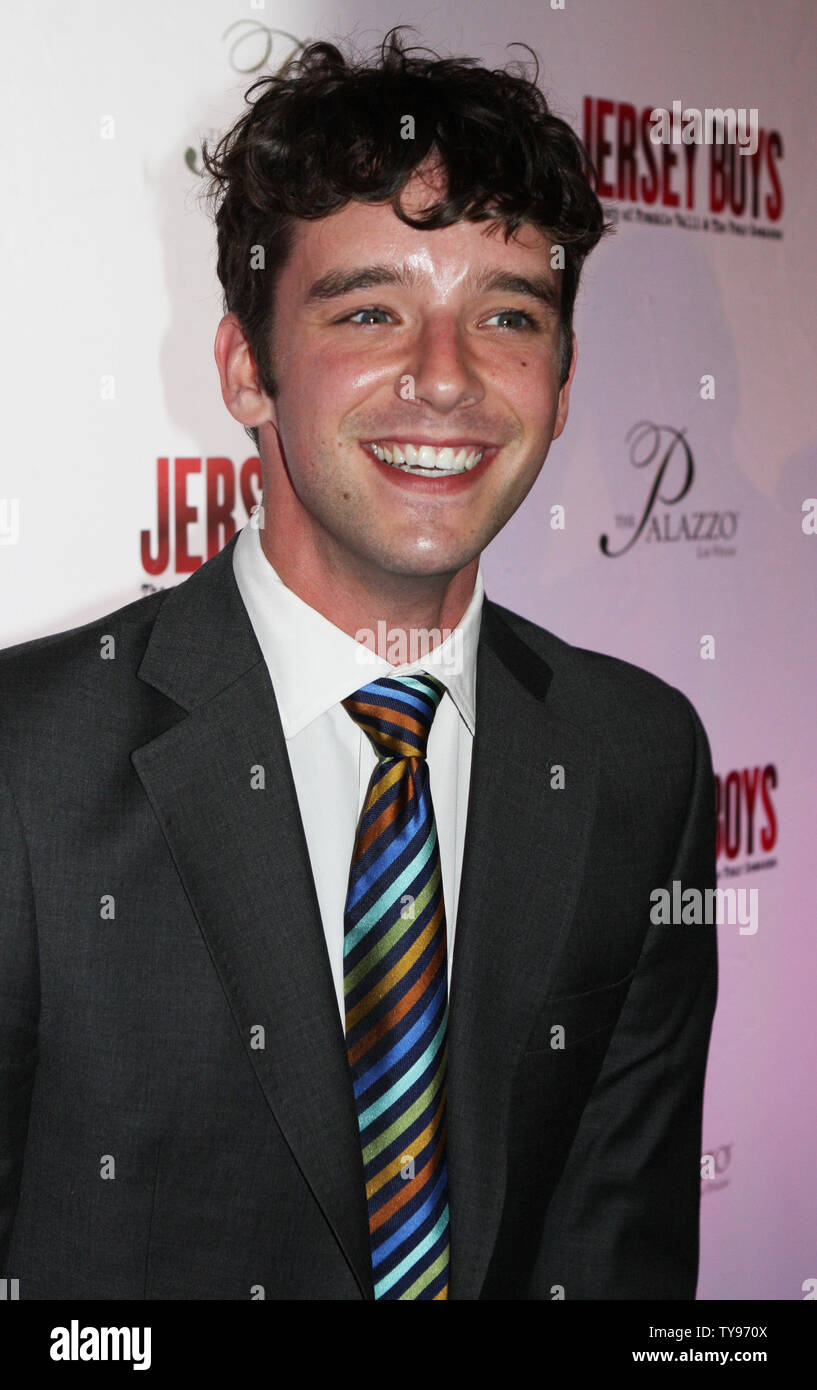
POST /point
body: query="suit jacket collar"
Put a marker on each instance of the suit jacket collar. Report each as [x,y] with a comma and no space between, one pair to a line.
[524,851]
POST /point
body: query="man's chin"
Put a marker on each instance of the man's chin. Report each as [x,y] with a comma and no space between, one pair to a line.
[426,563]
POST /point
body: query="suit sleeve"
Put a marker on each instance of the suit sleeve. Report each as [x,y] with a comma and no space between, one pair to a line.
[624,1219]
[19,1009]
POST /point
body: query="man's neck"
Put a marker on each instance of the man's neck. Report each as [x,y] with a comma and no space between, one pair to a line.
[386,607]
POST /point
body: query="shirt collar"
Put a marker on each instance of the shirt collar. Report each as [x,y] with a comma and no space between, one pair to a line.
[314,665]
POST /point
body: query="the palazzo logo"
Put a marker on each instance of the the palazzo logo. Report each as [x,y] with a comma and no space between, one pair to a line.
[257,44]
[663,453]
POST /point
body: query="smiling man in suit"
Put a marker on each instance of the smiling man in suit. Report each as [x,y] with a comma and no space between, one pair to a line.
[327,974]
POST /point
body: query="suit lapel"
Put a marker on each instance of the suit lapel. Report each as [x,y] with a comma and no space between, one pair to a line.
[522,869]
[241,854]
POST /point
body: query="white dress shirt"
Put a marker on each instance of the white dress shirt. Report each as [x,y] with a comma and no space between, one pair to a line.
[313,665]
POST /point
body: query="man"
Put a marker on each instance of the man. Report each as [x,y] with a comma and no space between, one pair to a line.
[329,976]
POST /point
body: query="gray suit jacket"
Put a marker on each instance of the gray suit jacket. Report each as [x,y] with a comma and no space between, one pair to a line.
[157,909]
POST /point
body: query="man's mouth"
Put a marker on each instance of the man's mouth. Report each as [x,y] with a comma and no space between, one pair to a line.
[430,460]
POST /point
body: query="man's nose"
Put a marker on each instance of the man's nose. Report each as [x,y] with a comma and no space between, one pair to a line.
[440,367]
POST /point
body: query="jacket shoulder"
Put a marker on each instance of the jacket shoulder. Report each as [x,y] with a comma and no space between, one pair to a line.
[67,680]
[59,649]
[591,688]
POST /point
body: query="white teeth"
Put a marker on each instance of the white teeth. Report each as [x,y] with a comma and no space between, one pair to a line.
[424,458]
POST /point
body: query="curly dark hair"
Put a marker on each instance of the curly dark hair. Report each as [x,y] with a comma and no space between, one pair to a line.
[326,129]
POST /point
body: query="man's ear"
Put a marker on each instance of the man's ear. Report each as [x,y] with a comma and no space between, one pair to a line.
[243,394]
[564,394]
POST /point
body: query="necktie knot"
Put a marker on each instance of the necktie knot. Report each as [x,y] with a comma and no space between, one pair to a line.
[396,712]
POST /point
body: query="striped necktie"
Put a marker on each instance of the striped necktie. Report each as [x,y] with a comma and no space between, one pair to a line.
[395,984]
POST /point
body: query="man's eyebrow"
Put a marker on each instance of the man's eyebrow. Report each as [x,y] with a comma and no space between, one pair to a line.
[339,282]
[508,282]
[336,283]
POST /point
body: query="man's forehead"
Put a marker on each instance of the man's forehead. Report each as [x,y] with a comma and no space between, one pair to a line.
[366,245]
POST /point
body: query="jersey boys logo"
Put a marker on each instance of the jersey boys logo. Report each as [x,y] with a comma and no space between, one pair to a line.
[664,455]
[745,811]
[172,548]
[718,178]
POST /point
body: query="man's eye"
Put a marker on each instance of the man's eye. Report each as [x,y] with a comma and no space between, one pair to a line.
[367,313]
[528,320]
[370,315]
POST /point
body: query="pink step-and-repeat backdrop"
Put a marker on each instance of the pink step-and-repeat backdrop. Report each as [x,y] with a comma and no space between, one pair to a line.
[687,471]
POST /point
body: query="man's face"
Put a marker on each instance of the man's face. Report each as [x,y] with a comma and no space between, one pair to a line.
[422,352]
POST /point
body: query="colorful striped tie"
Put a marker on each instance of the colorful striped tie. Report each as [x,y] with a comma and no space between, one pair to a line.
[396,990]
